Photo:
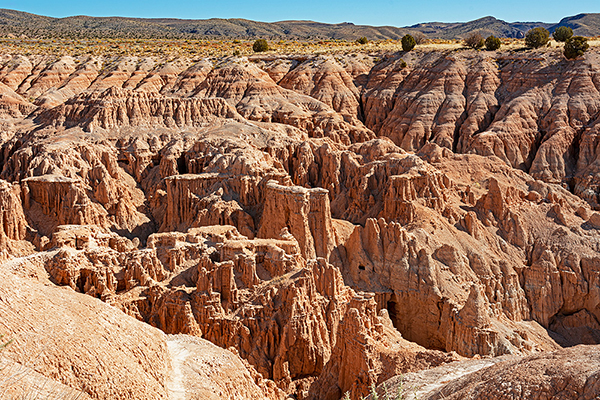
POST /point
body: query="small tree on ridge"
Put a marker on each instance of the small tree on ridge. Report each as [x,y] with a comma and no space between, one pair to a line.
[260,45]
[562,34]
[474,40]
[537,37]
[575,47]
[408,43]
[492,43]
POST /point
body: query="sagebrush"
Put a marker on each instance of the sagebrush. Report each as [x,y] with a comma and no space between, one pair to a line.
[408,43]
[537,37]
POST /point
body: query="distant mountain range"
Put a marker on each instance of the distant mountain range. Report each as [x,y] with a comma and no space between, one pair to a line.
[22,24]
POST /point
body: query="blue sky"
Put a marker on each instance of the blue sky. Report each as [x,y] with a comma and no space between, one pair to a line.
[368,12]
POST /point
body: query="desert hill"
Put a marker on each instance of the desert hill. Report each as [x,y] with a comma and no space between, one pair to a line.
[35,26]
[486,25]
[583,24]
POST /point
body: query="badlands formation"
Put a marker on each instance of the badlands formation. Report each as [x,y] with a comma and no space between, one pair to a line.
[301,227]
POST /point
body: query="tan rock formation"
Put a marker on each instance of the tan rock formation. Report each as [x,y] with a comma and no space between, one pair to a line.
[12,218]
[248,201]
[326,80]
[12,104]
[62,201]
[15,71]
[253,295]
[74,339]
[120,107]
[572,373]
[68,344]
[16,236]
[306,215]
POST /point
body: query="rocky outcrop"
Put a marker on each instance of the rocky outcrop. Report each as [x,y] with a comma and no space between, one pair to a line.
[14,228]
[434,257]
[258,98]
[571,372]
[62,201]
[121,107]
[536,112]
[369,351]
[251,295]
[197,200]
[303,213]
[326,80]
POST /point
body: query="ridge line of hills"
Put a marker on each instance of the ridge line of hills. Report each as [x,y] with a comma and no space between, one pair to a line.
[22,24]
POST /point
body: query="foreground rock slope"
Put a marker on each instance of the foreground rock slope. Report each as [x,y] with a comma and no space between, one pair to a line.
[571,373]
[297,227]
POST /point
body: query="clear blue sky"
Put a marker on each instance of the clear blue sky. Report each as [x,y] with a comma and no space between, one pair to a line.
[368,12]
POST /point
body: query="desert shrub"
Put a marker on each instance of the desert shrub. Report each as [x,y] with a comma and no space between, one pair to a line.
[3,345]
[260,45]
[575,47]
[362,40]
[400,393]
[537,37]
[562,33]
[492,43]
[402,64]
[474,40]
[408,43]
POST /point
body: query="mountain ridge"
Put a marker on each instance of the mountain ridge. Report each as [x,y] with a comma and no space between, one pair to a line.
[24,24]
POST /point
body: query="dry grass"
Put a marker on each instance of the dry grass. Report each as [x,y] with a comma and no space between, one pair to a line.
[181,47]
[220,48]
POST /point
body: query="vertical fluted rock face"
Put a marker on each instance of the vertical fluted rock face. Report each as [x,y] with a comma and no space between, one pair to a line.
[197,200]
[306,215]
[367,351]
[431,106]
[62,201]
[13,222]
[405,191]
[360,325]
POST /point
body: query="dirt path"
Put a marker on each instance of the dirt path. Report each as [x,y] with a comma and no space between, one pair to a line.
[179,354]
